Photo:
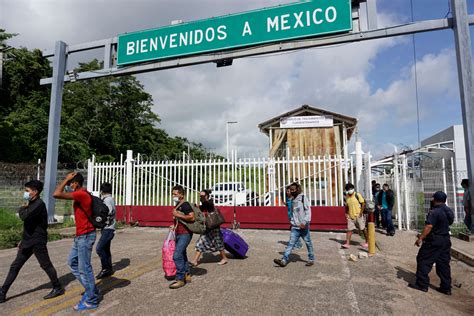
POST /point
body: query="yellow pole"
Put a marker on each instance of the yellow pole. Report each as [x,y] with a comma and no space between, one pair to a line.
[371,238]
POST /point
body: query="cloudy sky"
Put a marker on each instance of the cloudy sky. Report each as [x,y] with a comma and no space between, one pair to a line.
[372,81]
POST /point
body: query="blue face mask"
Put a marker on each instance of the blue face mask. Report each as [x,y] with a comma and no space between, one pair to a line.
[26,196]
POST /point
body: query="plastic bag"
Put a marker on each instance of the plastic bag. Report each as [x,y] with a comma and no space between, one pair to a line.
[167,254]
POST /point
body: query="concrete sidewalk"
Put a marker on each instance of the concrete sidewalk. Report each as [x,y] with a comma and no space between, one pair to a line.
[248,286]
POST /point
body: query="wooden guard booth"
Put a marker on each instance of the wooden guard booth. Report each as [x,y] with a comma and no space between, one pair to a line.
[309,132]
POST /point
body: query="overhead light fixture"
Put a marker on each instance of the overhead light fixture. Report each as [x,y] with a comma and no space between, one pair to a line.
[224,62]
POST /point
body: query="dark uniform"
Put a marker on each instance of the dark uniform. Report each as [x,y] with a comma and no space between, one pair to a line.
[436,248]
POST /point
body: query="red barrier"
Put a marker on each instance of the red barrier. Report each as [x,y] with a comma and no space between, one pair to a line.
[263,217]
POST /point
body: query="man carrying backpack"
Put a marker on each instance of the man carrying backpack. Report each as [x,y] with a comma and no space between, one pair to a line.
[107,233]
[355,205]
[80,256]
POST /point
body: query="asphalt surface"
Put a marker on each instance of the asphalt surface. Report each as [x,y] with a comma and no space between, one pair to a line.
[254,285]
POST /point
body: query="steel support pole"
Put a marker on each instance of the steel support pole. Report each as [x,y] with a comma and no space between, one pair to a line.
[51,170]
[462,40]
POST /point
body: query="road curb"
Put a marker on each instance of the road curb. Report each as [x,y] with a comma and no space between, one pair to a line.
[462,256]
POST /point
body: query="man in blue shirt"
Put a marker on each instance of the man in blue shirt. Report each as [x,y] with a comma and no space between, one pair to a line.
[435,246]
[385,202]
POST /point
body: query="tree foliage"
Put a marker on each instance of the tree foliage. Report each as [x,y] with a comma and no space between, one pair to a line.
[102,117]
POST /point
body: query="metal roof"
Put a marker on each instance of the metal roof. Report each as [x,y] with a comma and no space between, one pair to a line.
[306,110]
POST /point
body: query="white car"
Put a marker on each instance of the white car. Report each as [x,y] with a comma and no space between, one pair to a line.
[230,193]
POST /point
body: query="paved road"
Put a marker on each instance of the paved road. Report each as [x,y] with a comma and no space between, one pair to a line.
[251,286]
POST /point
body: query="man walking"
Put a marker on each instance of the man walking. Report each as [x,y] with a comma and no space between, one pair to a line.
[355,204]
[300,220]
[107,233]
[34,238]
[80,256]
[183,211]
[385,202]
[435,246]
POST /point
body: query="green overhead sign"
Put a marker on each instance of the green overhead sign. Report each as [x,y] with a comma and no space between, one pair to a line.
[297,20]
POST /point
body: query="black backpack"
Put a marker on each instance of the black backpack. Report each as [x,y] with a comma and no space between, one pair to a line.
[100,212]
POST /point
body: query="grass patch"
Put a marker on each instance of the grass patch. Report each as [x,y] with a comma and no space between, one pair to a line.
[11,228]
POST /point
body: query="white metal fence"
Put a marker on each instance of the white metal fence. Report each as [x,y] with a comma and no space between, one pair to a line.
[414,179]
[247,181]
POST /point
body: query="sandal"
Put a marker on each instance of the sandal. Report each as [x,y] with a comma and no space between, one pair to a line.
[222,262]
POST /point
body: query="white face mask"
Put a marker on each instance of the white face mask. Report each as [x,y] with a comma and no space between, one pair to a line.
[175,199]
[68,188]
[26,196]
[351,191]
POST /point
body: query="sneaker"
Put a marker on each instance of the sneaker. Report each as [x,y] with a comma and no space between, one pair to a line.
[364,245]
[346,246]
[82,306]
[177,284]
[309,263]
[187,278]
[3,296]
[54,293]
[280,262]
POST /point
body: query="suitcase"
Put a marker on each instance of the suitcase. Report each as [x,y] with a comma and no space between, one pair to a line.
[234,244]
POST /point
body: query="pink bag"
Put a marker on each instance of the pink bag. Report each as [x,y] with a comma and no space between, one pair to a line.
[167,254]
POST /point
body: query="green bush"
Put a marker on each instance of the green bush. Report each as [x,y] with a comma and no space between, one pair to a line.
[8,220]
[9,238]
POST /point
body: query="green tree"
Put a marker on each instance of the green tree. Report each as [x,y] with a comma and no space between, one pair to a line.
[103,116]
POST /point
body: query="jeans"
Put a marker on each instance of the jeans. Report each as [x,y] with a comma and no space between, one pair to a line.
[377,217]
[80,263]
[387,217]
[41,253]
[103,248]
[180,257]
[296,234]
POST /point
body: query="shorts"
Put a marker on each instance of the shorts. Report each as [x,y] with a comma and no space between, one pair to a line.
[357,223]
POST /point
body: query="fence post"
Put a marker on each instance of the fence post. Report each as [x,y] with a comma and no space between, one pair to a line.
[90,174]
[38,175]
[358,152]
[128,178]
[405,191]
[453,177]
[397,187]
[445,188]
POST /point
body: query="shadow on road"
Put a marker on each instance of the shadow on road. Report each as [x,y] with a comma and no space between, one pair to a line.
[110,283]
[405,275]
[122,264]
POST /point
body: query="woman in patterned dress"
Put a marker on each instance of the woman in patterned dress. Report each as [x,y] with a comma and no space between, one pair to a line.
[211,241]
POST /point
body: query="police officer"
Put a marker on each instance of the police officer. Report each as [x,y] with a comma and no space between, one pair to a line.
[435,246]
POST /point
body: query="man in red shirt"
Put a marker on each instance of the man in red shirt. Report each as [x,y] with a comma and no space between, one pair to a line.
[80,256]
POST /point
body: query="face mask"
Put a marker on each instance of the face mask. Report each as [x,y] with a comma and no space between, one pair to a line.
[26,196]
[68,188]
[294,194]
[175,199]
[351,191]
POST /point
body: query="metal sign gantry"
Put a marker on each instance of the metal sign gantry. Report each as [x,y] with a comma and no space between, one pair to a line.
[364,15]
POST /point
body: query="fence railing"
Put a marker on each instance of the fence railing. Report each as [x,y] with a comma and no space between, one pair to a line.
[415,184]
[237,181]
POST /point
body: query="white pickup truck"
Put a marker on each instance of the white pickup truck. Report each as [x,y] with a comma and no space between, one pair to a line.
[230,193]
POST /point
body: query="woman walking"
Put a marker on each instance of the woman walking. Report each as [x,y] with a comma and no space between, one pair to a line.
[211,241]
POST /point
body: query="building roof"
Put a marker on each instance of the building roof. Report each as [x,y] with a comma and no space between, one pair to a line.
[307,110]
